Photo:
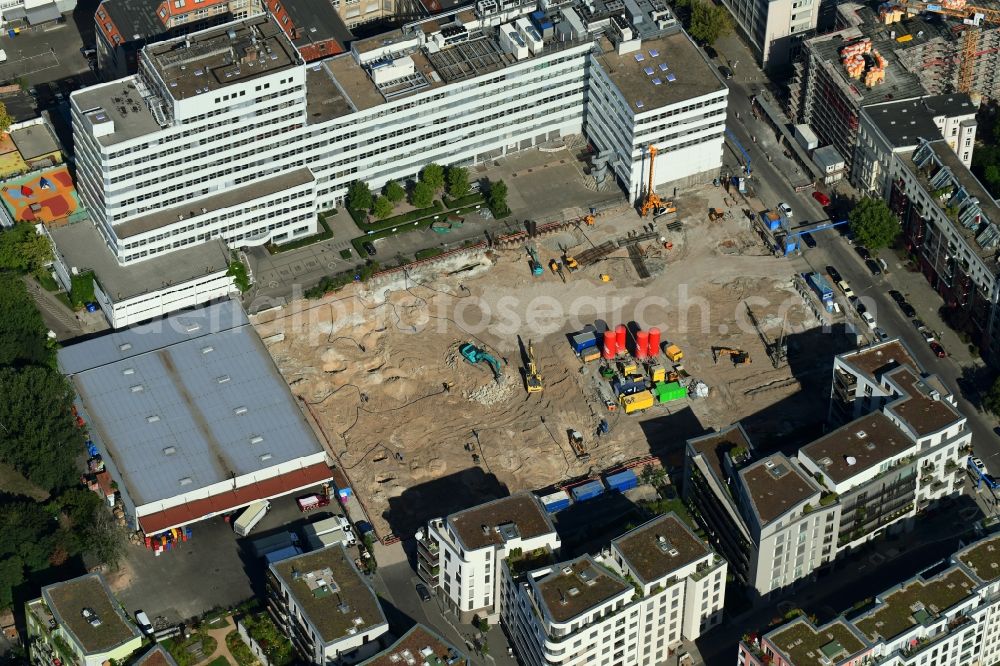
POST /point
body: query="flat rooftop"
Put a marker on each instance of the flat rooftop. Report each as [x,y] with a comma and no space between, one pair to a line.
[324,99]
[493,523]
[67,600]
[659,547]
[873,361]
[227,198]
[187,402]
[858,446]
[806,645]
[120,103]
[904,123]
[915,602]
[714,445]
[133,19]
[83,247]
[237,52]
[35,141]
[671,56]
[983,558]
[314,26]
[919,408]
[361,90]
[422,644]
[330,593]
[575,587]
[775,485]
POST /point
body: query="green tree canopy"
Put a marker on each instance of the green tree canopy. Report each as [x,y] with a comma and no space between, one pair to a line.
[359,195]
[873,224]
[23,249]
[991,401]
[22,331]
[433,175]
[5,120]
[422,195]
[394,192]
[458,182]
[382,208]
[498,198]
[709,21]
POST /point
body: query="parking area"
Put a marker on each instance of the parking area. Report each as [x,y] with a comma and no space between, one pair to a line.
[45,54]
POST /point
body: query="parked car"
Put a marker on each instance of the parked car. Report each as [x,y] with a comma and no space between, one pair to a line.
[726,72]
[785,208]
[423,592]
[980,465]
[897,296]
[938,349]
[369,248]
[846,288]
[142,620]
[923,330]
[821,198]
[907,309]
[873,267]
[862,252]
[834,274]
[808,239]
[859,307]
[869,319]
[881,334]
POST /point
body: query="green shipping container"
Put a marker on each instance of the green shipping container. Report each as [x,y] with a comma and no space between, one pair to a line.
[669,392]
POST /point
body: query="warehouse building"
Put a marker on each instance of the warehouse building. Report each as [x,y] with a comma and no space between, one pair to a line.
[192,417]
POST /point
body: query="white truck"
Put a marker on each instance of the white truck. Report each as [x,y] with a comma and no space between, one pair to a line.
[250,517]
[322,533]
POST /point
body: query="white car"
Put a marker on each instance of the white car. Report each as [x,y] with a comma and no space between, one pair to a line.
[785,208]
[846,288]
[869,319]
[3,56]
[142,620]
[980,465]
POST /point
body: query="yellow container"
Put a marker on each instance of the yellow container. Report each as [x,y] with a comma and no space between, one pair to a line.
[628,368]
[637,401]
[657,372]
[590,354]
[674,353]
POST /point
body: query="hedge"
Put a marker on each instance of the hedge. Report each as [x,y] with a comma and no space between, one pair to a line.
[474,198]
[397,220]
[323,235]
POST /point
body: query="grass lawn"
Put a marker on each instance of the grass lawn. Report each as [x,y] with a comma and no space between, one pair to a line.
[219,661]
[178,648]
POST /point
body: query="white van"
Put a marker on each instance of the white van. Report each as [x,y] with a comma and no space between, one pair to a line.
[3,56]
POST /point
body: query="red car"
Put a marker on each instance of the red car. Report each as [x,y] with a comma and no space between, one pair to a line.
[938,349]
[821,198]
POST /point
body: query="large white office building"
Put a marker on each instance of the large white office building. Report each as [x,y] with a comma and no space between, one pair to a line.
[228,133]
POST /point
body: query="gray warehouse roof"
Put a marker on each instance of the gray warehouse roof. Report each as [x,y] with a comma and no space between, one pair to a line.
[187,401]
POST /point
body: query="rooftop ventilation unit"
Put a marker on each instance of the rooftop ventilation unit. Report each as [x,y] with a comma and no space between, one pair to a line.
[136,389]
[169,450]
[256,439]
[222,379]
[861,434]
[567,571]
[128,371]
[207,350]
[125,346]
[186,481]
[240,411]
[153,418]
[266,457]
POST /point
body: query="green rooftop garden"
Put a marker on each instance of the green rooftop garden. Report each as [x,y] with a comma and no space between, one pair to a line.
[917,603]
[805,645]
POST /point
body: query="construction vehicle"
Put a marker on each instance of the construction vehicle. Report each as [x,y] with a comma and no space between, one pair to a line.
[576,443]
[738,356]
[532,378]
[474,355]
[556,268]
[589,220]
[536,265]
[651,202]
[636,402]
[570,263]
[605,277]
[715,214]
[674,353]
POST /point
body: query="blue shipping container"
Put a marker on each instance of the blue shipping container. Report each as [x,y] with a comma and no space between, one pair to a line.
[588,490]
[583,340]
[622,481]
[822,289]
[627,386]
[556,501]
[283,554]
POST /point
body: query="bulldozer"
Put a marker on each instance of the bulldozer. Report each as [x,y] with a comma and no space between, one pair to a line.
[738,356]
[532,378]
[474,355]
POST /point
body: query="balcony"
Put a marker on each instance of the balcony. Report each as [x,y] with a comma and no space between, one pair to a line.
[428,546]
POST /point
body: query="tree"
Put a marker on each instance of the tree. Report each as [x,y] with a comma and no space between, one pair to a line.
[654,476]
[394,192]
[22,331]
[433,175]
[5,120]
[23,249]
[873,224]
[458,182]
[382,208]
[498,198]
[422,195]
[238,271]
[359,196]
[709,22]
[991,401]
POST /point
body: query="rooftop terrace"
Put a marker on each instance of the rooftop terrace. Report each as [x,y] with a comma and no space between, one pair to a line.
[499,521]
[576,587]
[67,601]
[923,407]
[916,602]
[806,645]
[858,446]
[418,643]
[714,445]
[117,102]
[775,485]
[330,593]
[873,361]
[206,61]
[983,558]
[659,547]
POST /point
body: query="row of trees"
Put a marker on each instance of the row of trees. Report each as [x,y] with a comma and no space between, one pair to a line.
[433,178]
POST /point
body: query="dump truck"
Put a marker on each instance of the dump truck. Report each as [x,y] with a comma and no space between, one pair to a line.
[637,401]
[674,353]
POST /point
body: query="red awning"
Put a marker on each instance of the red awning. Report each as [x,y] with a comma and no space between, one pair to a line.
[191,512]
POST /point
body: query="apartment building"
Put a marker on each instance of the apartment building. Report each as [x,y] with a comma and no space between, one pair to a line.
[946,615]
[461,554]
[898,127]
[631,605]
[950,223]
[779,519]
[774,28]
[79,622]
[419,645]
[328,611]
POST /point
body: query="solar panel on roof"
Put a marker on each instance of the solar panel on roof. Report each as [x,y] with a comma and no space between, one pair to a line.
[663,67]
[657,82]
[653,53]
[639,104]
[671,77]
[639,57]
[649,71]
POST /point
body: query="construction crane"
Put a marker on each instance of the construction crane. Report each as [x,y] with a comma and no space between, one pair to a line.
[532,378]
[474,355]
[972,16]
[738,356]
[776,351]
[652,203]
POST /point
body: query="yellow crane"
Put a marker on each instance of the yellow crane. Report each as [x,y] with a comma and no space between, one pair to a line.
[532,378]
[972,16]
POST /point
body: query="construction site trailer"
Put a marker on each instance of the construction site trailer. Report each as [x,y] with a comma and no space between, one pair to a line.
[637,402]
[583,340]
[250,517]
[556,501]
[588,490]
[669,391]
[622,481]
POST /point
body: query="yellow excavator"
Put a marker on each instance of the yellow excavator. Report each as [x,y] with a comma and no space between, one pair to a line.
[738,356]
[652,203]
[532,378]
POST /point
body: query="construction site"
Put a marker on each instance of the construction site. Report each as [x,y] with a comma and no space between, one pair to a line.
[554,355]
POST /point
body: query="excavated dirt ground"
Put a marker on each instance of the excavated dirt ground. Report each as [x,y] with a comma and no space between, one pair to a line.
[372,363]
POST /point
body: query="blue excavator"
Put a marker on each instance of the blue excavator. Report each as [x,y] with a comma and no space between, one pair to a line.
[474,355]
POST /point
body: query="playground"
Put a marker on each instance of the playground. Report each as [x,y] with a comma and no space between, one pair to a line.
[11,161]
[46,197]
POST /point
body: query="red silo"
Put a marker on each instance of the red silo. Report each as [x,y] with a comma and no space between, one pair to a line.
[641,344]
[654,342]
[610,345]
[620,338]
